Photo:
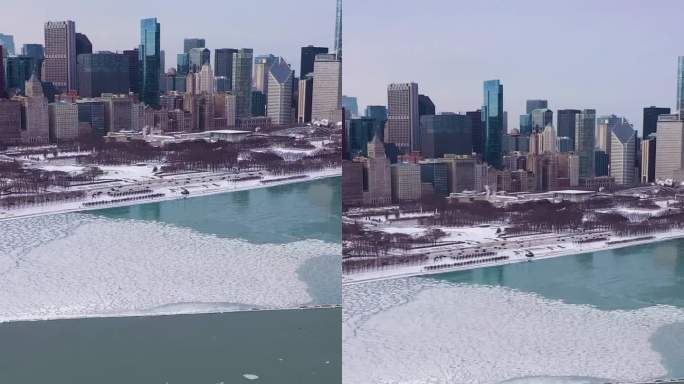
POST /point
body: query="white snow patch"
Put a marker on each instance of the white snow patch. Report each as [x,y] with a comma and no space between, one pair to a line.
[418,330]
[81,266]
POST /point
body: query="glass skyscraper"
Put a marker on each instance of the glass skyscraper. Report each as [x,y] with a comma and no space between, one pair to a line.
[149,60]
[492,122]
[586,141]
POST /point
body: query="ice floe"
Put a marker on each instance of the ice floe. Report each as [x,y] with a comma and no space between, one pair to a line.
[420,330]
[79,265]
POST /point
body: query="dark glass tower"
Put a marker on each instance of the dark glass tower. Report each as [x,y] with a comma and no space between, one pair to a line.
[149,61]
[475,118]
[223,64]
[650,123]
[102,72]
[308,57]
[83,44]
[443,134]
[133,70]
[565,124]
[492,122]
[425,105]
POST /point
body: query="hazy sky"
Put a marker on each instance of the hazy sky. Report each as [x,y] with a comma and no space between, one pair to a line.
[616,56]
[269,26]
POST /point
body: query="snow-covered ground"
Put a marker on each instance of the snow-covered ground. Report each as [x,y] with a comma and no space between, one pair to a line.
[142,175]
[75,265]
[422,331]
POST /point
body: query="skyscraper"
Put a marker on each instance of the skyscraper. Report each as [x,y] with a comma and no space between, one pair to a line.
[425,105]
[262,69]
[585,141]
[669,147]
[36,125]
[565,125]
[206,79]
[351,105]
[59,67]
[2,73]
[307,59]
[133,70]
[445,134]
[7,41]
[223,64]
[83,44]
[149,61]
[279,100]
[242,81]
[622,155]
[492,121]
[197,57]
[102,72]
[191,43]
[403,120]
[540,118]
[338,31]
[531,105]
[650,122]
[327,87]
[305,99]
[34,51]
[10,121]
[477,130]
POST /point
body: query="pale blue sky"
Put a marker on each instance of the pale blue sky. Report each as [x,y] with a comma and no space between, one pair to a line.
[269,26]
[616,56]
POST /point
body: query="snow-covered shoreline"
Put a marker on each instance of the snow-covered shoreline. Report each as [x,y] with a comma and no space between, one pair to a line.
[69,207]
[541,253]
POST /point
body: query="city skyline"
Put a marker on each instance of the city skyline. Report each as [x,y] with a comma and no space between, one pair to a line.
[285,38]
[617,59]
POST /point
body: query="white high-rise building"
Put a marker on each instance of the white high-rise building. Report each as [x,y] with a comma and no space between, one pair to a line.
[549,139]
[327,87]
[206,80]
[231,110]
[623,155]
[35,105]
[406,184]
[63,121]
[403,120]
[279,102]
[59,65]
[669,147]
[377,167]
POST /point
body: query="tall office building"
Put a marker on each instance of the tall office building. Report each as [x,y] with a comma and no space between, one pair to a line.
[279,99]
[242,81]
[403,120]
[7,41]
[305,99]
[59,66]
[680,85]
[307,59]
[102,72]
[540,118]
[327,87]
[83,44]
[377,112]
[223,64]
[531,105]
[648,159]
[193,42]
[445,134]
[585,141]
[34,51]
[605,125]
[650,122]
[63,121]
[338,31]
[258,107]
[492,121]
[406,182]
[566,122]
[18,69]
[92,113]
[360,132]
[133,70]
[149,61]
[425,105]
[477,130]
[36,124]
[622,155]
[262,68]
[206,79]
[197,57]
[182,63]
[350,105]
[377,169]
[669,147]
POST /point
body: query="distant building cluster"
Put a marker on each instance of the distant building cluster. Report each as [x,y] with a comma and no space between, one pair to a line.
[62,90]
[405,151]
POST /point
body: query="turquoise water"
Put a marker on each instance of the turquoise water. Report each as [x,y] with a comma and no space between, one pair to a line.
[280,214]
[294,346]
[621,279]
